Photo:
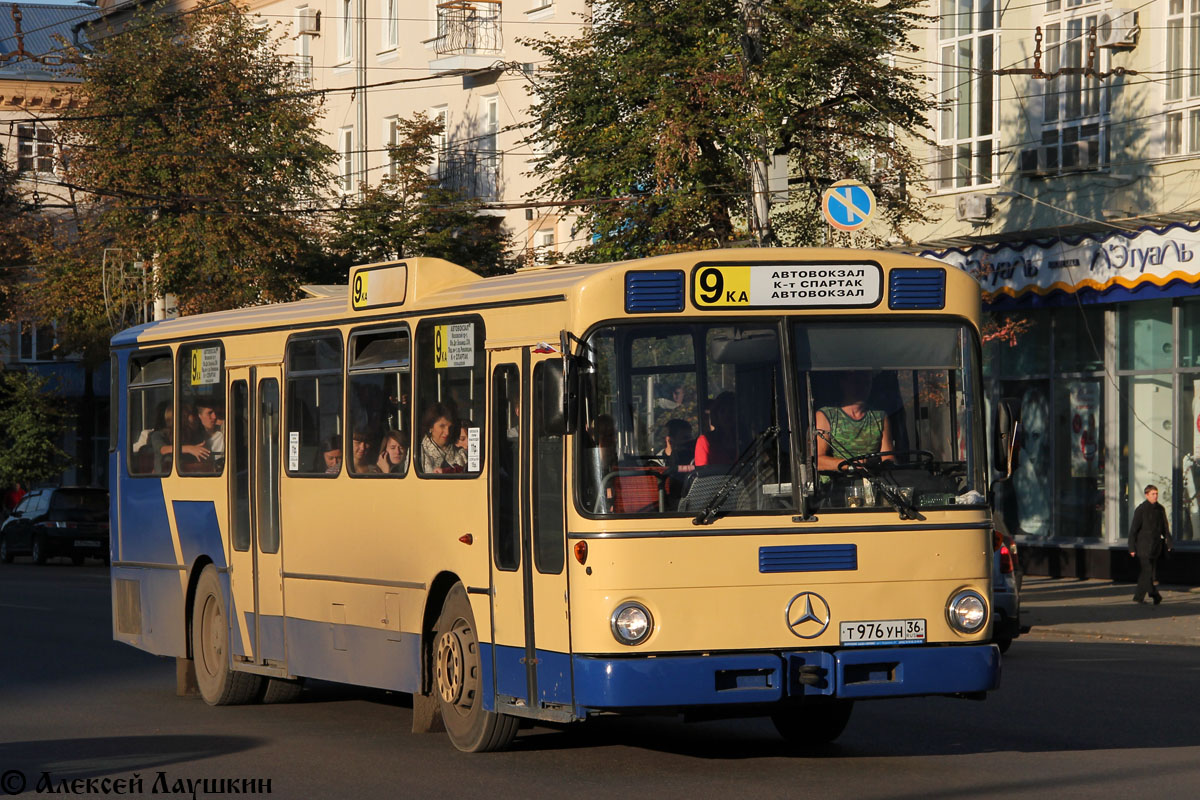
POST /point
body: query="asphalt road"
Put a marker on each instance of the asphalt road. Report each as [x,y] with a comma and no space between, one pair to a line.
[1072,719]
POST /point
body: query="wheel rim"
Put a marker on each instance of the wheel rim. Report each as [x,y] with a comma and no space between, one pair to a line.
[456,676]
[212,644]
[37,549]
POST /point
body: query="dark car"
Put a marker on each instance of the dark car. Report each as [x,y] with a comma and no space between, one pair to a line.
[65,521]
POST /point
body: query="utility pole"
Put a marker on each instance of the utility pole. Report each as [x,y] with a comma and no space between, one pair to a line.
[360,76]
[759,215]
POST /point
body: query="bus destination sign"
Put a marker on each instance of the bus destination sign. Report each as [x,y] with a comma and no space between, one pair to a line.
[721,286]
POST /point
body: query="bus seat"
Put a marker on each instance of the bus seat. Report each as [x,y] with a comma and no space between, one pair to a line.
[633,490]
[704,488]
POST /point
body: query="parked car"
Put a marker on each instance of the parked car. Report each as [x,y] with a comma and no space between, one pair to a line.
[1006,591]
[64,521]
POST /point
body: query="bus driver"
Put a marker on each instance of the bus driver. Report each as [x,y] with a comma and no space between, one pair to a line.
[851,430]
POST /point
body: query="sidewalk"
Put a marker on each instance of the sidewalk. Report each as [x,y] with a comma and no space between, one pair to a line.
[1101,609]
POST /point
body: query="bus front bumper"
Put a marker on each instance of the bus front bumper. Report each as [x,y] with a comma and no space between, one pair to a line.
[859,673]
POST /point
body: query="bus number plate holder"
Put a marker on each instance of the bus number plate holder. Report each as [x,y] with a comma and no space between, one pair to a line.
[883,631]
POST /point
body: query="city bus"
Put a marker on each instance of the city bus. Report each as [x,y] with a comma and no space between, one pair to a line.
[743,482]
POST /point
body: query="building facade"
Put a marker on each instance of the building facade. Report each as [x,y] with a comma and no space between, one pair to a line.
[1062,173]
[35,88]
[459,61]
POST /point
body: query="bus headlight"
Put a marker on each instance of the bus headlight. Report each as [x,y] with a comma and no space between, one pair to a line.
[631,623]
[967,611]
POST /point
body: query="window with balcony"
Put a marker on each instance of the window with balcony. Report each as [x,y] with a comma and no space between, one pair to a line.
[35,149]
[466,27]
[966,136]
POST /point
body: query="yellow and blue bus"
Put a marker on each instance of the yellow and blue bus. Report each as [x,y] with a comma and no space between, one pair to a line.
[735,482]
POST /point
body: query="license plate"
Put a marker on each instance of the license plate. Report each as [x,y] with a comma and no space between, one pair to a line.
[87,543]
[883,631]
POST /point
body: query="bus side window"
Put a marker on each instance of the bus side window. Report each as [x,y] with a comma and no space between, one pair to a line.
[380,387]
[549,535]
[313,433]
[451,382]
[150,412]
[201,428]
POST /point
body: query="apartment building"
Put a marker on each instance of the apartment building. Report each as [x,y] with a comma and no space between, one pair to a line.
[35,88]
[459,61]
[1063,175]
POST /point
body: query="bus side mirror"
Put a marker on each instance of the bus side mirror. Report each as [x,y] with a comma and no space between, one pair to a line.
[1004,443]
[560,396]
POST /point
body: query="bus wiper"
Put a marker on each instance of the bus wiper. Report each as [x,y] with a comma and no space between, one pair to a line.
[874,474]
[737,471]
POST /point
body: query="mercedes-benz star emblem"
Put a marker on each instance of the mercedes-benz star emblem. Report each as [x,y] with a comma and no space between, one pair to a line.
[808,615]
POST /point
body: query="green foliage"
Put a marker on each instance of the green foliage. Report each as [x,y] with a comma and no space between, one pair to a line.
[32,422]
[409,214]
[194,147]
[653,115]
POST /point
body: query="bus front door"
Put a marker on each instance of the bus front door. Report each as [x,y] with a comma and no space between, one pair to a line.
[253,444]
[531,633]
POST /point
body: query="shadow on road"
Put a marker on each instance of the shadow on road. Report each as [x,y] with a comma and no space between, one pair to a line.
[93,758]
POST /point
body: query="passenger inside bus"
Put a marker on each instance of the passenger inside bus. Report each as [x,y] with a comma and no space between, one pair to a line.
[393,454]
[162,439]
[207,438]
[361,449]
[853,429]
[719,445]
[330,456]
[439,453]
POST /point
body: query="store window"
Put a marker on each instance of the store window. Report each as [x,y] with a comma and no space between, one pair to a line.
[968,42]
[1145,336]
[1079,339]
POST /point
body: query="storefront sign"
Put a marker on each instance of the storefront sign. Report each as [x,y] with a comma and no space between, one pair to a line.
[1155,257]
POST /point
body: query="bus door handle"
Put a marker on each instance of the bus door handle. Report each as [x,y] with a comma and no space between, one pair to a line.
[531,661]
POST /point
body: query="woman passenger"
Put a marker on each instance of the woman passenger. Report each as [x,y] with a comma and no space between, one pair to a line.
[719,445]
[439,453]
[393,454]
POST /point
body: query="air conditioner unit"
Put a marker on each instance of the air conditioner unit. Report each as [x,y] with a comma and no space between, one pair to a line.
[1034,163]
[974,208]
[308,21]
[1117,28]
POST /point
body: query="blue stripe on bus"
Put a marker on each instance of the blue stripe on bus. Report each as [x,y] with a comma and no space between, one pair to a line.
[682,681]
[554,677]
[511,679]
[808,558]
[162,600]
[553,674]
[146,532]
[372,657]
[271,637]
[199,531]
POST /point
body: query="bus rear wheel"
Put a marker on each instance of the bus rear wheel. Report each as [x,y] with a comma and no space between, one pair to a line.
[219,685]
[813,723]
[457,673]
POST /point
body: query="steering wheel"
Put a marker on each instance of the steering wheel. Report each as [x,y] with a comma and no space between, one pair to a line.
[869,461]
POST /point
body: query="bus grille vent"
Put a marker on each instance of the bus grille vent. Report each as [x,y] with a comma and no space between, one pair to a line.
[653,292]
[808,558]
[917,288]
[129,606]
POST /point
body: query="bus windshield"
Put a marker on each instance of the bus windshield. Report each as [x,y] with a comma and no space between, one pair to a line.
[891,413]
[695,418]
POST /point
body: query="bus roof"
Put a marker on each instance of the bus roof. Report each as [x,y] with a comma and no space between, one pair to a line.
[435,286]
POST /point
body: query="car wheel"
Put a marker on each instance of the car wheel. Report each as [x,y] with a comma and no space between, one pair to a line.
[1003,642]
[5,554]
[219,685]
[458,684]
[39,549]
[812,723]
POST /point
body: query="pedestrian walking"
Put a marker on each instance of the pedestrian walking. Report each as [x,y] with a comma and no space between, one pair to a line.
[1149,539]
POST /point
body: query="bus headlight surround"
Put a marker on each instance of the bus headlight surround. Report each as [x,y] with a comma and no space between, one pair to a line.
[967,611]
[631,623]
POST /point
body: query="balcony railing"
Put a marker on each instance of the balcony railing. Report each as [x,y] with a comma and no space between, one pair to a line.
[301,69]
[471,173]
[466,27]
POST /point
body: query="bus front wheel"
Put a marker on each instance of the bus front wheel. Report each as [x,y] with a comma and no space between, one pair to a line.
[457,672]
[813,723]
[219,685]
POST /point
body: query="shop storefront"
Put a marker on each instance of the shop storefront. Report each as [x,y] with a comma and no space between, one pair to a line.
[1095,343]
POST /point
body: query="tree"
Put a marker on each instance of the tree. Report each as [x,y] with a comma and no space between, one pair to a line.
[409,214]
[651,118]
[32,422]
[194,153]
